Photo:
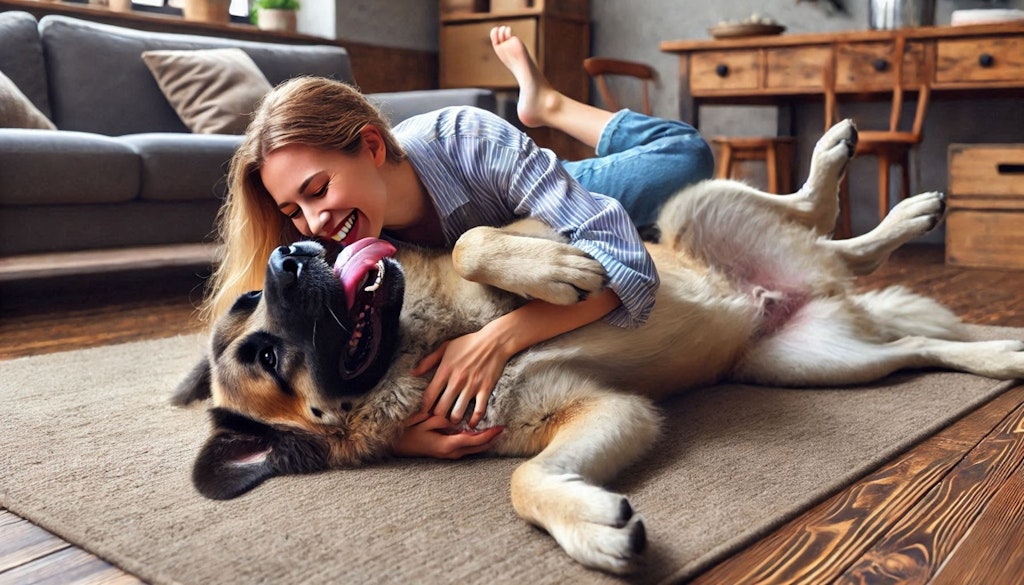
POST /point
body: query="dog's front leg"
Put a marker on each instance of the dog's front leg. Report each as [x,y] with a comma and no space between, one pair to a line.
[559,489]
[529,266]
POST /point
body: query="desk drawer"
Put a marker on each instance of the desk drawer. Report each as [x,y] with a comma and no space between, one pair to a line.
[865,67]
[991,59]
[797,68]
[985,226]
[989,171]
[721,70]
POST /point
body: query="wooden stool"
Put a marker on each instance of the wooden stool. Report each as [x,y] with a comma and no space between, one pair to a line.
[776,152]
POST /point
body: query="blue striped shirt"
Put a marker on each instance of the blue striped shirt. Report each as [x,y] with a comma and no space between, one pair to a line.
[481,170]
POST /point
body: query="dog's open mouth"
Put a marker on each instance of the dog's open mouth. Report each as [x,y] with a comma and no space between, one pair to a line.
[360,269]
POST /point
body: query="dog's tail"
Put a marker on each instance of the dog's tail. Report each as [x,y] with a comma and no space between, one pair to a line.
[898,313]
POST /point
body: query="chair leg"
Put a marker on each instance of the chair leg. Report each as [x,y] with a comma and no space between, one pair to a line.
[771,163]
[786,157]
[724,170]
[884,164]
[904,175]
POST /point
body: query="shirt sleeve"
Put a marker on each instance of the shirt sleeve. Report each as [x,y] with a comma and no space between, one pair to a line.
[529,181]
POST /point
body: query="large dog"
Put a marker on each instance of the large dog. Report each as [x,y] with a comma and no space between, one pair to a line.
[312,372]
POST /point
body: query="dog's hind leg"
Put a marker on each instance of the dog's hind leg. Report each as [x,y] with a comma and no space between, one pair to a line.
[910,218]
[826,344]
[591,438]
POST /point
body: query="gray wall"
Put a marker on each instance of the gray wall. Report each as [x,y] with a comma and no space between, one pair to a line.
[632,29]
[409,24]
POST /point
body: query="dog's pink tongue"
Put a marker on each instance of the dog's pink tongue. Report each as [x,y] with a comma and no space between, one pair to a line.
[355,260]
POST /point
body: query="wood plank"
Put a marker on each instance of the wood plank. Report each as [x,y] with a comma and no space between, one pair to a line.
[819,545]
[22,542]
[926,536]
[992,550]
[50,265]
[68,567]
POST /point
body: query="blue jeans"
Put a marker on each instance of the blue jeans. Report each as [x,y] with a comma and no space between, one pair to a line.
[643,161]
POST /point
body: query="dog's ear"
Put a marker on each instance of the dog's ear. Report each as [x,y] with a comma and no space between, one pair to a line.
[195,386]
[242,453]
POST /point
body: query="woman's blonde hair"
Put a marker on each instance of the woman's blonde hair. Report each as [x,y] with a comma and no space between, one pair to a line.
[312,111]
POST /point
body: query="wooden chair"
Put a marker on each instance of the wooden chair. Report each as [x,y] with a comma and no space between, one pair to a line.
[777,152]
[891,146]
[600,68]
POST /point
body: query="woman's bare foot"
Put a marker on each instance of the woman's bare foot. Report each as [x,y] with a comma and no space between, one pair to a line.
[537,99]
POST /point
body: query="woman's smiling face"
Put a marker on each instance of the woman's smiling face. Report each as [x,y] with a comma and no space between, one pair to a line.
[328,194]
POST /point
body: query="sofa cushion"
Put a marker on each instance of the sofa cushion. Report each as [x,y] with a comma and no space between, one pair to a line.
[21,57]
[46,167]
[17,111]
[99,82]
[183,167]
[213,90]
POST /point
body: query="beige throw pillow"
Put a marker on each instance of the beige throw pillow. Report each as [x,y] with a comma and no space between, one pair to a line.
[213,90]
[17,111]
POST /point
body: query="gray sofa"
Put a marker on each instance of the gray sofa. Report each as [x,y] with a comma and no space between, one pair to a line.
[122,169]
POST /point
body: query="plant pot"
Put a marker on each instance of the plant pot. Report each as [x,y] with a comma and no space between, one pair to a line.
[276,19]
[207,10]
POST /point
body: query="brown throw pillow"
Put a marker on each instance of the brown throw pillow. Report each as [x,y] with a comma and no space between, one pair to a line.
[17,111]
[213,90]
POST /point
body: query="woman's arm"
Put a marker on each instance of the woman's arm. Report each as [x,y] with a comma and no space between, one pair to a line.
[468,367]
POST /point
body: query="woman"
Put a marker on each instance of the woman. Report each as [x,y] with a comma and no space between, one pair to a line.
[319,161]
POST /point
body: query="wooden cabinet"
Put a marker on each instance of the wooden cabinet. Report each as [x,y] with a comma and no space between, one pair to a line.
[556,33]
[985,225]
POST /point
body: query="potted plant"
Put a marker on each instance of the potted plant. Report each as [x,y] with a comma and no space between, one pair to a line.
[275,14]
[207,10]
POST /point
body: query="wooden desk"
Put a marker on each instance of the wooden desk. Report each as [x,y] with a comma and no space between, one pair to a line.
[779,70]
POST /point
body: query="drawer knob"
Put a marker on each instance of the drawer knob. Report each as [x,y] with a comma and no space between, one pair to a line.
[721,70]
[880,65]
[986,60]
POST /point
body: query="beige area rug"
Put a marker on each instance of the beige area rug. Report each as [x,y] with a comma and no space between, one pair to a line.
[90,449]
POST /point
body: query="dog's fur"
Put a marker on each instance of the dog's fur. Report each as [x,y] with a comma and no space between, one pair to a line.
[752,290]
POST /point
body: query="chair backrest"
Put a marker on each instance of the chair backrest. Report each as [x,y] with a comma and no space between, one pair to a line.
[600,68]
[923,91]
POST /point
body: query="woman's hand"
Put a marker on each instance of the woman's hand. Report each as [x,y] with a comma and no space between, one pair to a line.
[468,367]
[434,436]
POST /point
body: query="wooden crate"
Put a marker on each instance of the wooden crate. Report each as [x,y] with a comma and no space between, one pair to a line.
[985,226]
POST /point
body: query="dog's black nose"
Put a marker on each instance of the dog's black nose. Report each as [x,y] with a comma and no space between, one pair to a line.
[287,262]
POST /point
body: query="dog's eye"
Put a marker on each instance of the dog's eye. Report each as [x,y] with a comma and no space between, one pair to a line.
[317,412]
[268,357]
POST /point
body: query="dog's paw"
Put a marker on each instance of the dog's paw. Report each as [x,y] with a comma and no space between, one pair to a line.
[836,147]
[916,216]
[607,536]
[563,275]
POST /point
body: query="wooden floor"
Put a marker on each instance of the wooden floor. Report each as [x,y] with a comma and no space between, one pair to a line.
[950,510]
